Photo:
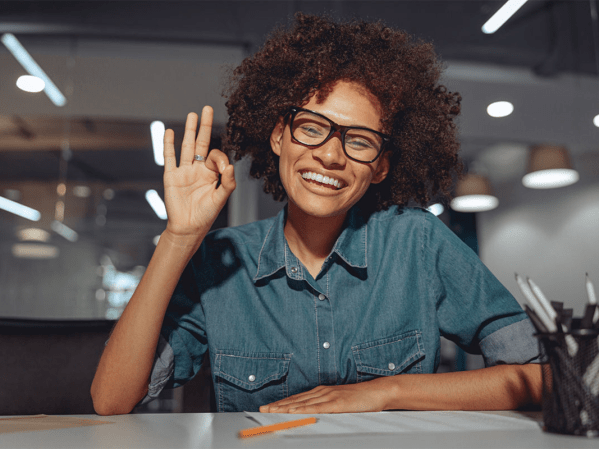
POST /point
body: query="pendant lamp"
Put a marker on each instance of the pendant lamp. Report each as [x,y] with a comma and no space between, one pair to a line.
[549,167]
[473,194]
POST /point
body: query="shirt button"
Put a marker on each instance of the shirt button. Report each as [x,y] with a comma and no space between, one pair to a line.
[391,366]
[252,378]
[326,345]
[294,269]
[322,297]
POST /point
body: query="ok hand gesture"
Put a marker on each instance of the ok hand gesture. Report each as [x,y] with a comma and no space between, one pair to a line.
[192,198]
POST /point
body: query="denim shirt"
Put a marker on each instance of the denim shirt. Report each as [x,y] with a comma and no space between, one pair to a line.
[394,283]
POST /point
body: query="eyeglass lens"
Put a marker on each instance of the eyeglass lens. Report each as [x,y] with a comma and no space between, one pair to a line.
[360,144]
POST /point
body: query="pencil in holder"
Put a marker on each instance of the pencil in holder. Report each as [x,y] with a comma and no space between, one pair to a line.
[570,382]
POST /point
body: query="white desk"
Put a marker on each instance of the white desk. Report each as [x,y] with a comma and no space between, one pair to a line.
[206,430]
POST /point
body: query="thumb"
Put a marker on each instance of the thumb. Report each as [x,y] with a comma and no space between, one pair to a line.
[227,181]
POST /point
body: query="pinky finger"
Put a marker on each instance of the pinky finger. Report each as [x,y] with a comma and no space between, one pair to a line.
[170,160]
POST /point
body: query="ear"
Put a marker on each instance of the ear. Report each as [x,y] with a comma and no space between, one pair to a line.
[276,137]
[382,169]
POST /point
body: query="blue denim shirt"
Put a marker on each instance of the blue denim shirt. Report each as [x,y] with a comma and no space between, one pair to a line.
[392,285]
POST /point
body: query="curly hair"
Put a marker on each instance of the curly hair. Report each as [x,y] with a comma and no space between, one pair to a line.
[401,72]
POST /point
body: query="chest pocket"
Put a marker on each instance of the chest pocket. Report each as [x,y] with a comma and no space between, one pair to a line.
[389,356]
[245,381]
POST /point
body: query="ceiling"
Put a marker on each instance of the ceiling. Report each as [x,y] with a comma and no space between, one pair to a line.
[122,65]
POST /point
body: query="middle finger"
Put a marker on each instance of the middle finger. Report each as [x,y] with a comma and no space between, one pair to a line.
[187,147]
[202,145]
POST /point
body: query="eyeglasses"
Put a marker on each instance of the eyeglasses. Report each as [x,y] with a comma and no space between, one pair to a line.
[313,129]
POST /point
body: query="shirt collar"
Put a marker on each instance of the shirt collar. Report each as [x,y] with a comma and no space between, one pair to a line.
[351,246]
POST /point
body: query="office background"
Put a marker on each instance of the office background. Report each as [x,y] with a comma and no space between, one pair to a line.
[123,65]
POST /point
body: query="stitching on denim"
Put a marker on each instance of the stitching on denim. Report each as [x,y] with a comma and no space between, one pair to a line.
[365,237]
[317,335]
[261,249]
[248,384]
[407,335]
[284,358]
[332,328]
[220,389]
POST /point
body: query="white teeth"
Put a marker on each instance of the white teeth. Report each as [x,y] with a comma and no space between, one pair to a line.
[322,179]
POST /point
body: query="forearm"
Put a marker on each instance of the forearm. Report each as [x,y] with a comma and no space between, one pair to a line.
[121,379]
[503,387]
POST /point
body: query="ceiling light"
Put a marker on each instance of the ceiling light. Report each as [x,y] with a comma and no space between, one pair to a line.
[25,59]
[19,209]
[549,167]
[157,204]
[500,109]
[473,194]
[502,16]
[33,234]
[30,83]
[64,231]
[82,191]
[436,209]
[596,121]
[34,251]
[157,131]
[108,194]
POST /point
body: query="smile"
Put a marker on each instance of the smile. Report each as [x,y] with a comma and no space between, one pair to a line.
[324,180]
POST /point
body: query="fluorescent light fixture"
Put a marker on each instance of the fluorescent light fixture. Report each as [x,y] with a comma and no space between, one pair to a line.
[33,234]
[474,203]
[157,130]
[436,209]
[34,251]
[550,179]
[19,209]
[502,15]
[157,204]
[500,109]
[64,231]
[25,59]
[596,121]
[30,83]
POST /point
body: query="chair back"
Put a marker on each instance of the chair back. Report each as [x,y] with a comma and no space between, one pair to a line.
[47,366]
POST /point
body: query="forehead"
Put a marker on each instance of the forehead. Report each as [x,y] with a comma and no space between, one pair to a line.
[347,103]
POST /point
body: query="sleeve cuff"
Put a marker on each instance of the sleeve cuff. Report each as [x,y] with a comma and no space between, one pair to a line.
[512,344]
[164,362]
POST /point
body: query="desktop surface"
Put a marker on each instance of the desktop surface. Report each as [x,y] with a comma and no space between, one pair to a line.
[220,430]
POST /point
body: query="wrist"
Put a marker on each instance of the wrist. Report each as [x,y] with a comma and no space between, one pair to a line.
[181,241]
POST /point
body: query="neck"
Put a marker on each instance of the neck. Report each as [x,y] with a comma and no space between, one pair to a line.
[310,238]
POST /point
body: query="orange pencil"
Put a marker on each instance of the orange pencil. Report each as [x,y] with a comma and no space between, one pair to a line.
[274,427]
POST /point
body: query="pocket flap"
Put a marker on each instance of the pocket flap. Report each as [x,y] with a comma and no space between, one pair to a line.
[389,356]
[250,371]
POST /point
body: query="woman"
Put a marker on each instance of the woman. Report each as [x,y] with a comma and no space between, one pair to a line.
[320,308]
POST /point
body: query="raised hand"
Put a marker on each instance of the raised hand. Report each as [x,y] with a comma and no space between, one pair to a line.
[193,199]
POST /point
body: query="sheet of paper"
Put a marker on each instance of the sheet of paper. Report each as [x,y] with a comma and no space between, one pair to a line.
[44,422]
[394,422]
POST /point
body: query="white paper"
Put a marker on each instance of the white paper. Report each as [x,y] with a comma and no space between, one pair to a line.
[394,422]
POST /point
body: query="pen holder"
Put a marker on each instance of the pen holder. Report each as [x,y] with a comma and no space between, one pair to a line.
[570,382]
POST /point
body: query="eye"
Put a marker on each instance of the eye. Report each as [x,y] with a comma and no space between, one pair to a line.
[359,143]
[311,129]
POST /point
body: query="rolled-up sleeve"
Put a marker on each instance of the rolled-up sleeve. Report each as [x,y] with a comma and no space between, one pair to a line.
[512,344]
[162,370]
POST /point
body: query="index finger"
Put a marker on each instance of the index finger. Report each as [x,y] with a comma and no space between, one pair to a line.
[203,141]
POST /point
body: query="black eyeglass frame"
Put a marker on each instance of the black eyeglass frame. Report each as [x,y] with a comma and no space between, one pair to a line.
[293,111]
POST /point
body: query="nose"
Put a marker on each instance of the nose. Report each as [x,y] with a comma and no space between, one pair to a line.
[330,153]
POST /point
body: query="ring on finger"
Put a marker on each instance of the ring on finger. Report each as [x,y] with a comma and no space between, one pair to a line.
[199,158]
